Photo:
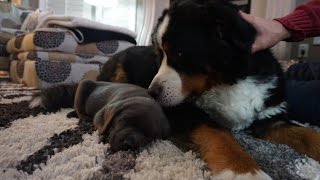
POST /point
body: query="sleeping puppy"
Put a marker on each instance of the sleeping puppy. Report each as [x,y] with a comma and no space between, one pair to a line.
[135,65]
[125,115]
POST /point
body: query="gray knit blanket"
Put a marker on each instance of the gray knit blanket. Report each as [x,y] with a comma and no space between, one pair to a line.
[35,144]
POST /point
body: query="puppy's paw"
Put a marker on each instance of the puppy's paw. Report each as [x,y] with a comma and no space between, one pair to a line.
[231,175]
[36,101]
[72,114]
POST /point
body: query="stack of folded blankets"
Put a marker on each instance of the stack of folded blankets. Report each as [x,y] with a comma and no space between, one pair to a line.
[11,20]
[4,59]
[64,50]
[5,35]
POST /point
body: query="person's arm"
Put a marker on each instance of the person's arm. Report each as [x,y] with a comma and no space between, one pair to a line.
[269,32]
[302,23]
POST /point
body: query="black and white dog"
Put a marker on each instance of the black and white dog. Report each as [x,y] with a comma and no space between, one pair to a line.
[206,60]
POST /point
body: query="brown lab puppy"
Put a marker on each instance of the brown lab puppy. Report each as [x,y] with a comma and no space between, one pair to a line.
[125,115]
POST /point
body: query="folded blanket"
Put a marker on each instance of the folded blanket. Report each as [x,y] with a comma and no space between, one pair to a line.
[4,63]
[3,51]
[87,30]
[61,40]
[5,37]
[43,74]
[87,35]
[33,19]
[12,31]
[17,70]
[60,56]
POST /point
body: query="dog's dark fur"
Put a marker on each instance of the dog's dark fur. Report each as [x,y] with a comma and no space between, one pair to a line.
[136,65]
[210,40]
[215,41]
[124,114]
[206,60]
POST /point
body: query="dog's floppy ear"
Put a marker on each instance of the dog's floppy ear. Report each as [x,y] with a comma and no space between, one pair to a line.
[104,118]
[222,17]
[229,24]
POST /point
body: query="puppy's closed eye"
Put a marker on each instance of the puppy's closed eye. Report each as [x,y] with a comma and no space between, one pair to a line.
[131,123]
[103,119]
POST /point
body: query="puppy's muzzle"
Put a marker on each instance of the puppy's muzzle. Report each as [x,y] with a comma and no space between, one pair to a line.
[126,139]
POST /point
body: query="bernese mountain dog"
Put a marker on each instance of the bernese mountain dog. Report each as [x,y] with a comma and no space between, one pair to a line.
[206,60]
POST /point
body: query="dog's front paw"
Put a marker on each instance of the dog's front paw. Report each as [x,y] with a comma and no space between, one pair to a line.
[231,175]
[302,139]
[224,155]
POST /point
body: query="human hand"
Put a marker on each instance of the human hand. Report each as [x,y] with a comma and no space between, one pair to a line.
[269,32]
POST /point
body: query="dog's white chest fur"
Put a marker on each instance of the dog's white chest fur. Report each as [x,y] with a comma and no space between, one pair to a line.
[240,104]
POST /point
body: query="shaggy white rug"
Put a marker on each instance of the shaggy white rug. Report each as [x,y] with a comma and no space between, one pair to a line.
[35,144]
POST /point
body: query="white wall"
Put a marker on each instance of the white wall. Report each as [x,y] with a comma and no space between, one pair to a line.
[151,11]
[258,7]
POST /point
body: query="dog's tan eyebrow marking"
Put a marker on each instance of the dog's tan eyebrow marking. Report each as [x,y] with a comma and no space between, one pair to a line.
[194,84]
[165,46]
[119,75]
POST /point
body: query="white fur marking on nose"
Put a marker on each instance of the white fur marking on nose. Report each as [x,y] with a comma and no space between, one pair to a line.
[170,82]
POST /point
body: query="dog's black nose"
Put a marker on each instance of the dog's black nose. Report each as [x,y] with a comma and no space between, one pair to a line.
[155,91]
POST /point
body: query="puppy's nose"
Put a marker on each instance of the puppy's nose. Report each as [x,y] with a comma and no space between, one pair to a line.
[129,143]
[155,91]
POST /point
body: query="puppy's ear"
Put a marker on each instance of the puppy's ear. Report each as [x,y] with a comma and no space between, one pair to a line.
[104,118]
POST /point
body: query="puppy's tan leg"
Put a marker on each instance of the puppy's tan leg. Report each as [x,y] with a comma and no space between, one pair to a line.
[304,140]
[224,156]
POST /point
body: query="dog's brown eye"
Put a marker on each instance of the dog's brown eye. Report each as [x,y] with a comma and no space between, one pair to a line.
[219,35]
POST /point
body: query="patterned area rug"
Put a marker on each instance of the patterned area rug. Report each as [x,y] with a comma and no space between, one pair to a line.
[35,144]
